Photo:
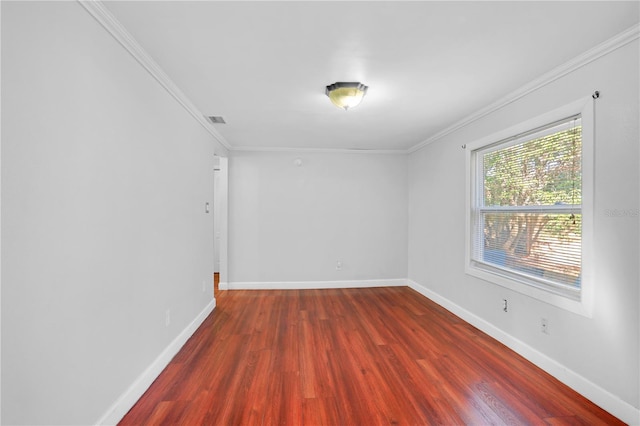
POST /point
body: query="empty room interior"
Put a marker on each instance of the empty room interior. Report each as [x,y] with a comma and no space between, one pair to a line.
[421,212]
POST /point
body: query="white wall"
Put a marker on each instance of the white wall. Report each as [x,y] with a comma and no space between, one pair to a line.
[290,223]
[602,349]
[104,180]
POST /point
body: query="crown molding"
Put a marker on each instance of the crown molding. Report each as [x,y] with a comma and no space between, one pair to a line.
[574,64]
[319,150]
[111,24]
[97,9]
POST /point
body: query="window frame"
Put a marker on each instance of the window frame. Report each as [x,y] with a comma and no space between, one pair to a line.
[581,301]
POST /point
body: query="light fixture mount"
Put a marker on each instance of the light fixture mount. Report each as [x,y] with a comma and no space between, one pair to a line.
[346,95]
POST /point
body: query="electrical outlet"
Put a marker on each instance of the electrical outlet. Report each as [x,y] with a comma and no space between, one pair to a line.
[544,325]
[338,265]
[505,305]
[167,318]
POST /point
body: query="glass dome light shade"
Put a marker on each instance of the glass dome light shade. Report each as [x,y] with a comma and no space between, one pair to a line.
[346,95]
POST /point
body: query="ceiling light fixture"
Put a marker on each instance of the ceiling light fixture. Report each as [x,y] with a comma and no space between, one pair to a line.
[346,95]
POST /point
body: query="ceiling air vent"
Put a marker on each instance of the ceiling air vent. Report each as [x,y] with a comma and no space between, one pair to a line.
[216,119]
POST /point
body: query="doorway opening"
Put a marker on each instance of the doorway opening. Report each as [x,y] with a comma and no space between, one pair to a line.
[220,222]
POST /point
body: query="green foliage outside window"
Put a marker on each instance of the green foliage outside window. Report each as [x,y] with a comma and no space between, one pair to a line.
[539,172]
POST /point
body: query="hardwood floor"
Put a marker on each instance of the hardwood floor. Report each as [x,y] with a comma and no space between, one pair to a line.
[371,356]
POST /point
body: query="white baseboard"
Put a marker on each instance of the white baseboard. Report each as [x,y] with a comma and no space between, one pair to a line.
[223,286]
[116,412]
[302,285]
[605,399]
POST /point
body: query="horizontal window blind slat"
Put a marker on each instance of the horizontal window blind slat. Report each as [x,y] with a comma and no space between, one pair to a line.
[559,208]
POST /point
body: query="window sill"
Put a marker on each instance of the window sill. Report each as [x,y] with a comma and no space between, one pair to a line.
[580,307]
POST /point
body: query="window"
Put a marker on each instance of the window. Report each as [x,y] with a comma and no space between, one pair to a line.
[525,207]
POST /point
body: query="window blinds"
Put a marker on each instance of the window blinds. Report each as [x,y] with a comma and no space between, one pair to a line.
[527,221]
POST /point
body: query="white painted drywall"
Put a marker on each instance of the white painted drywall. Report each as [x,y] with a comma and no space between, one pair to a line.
[292,223]
[603,349]
[104,181]
[0,214]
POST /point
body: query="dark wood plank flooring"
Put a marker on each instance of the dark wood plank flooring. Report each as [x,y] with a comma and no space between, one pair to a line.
[216,284]
[377,356]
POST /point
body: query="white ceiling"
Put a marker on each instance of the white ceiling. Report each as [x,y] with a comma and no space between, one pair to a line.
[264,65]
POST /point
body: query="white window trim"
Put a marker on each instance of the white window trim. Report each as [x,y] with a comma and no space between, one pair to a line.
[583,306]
